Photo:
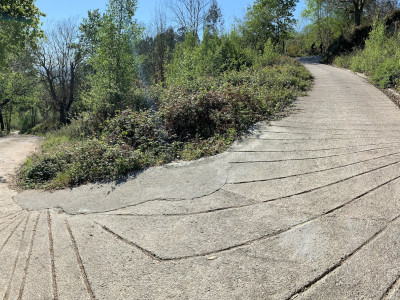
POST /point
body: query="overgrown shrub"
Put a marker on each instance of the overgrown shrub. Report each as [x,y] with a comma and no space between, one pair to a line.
[187,121]
[345,61]
[42,128]
[380,59]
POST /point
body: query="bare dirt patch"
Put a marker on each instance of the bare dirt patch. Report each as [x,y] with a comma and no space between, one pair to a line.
[13,151]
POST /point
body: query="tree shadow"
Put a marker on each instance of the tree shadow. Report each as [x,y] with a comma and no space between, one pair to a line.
[311,60]
[130,176]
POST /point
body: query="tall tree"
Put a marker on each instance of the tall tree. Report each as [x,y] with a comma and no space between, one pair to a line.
[269,19]
[358,8]
[58,63]
[18,87]
[214,20]
[115,62]
[326,21]
[380,9]
[189,14]
[89,34]
[19,24]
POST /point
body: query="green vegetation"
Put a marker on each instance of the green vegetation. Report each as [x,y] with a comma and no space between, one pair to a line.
[110,100]
[339,26]
[19,25]
[361,35]
[195,118]
[380,58]
[19,30]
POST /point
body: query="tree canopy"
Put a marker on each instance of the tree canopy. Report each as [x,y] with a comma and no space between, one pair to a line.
[269,19]
[19,24]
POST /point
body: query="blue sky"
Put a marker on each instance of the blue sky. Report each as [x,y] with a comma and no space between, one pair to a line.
[61,9]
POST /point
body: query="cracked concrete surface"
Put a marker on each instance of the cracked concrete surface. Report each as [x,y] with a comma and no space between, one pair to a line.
[307,207]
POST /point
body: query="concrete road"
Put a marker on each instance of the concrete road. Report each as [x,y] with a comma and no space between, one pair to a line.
[307,207]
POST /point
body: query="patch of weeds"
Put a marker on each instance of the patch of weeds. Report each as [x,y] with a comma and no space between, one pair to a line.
[193,120]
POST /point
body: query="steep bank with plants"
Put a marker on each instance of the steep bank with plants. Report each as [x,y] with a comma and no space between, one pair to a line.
[111,100]
[197,118]
[379,60]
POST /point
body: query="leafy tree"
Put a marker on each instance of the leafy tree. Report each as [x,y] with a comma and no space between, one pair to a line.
[156,53]
[379,9]
[358,10]
[327,22]
[355,7]
[268,19]
[145,49]
[214,55]
[214,19]
[89,34]
[164,45]
[114,62]
[183,64]
[364,8]
[331,20]
[19,24]
[18,88]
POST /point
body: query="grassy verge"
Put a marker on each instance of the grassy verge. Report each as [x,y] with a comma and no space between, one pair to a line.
[188,121]
[379,60]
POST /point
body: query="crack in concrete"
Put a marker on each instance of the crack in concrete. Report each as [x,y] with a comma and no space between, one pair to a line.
[314,172]
[7,293]
[251,204]
[153,200]
[310,139]
[80,262]
[395,284]
[323,149]
[341,262]
[247,243]
[10,235]
[342,129]
[28,258]
[261,132]
[52,262]
[309,158]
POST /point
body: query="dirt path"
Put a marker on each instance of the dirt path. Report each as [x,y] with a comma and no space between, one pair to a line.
[306,208]
[13,151]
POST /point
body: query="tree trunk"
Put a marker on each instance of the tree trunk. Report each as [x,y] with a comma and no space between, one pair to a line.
[357,16]
[358,10]
[71,89]
[2,105]
[63,114]
[1,121]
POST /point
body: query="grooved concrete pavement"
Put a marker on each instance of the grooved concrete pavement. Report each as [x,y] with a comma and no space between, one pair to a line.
[307,207]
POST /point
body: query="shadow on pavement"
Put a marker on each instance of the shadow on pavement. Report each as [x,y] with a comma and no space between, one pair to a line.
[311,60]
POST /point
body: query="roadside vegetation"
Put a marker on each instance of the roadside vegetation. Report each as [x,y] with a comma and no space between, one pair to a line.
[341,27]
[379,59]
[190,122]
[361,35]
[110,99]
[112,96]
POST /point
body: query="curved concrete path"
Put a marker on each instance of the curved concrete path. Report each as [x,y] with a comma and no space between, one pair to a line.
[307,207]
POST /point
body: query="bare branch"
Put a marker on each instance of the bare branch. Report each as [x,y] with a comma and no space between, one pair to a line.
[188,14]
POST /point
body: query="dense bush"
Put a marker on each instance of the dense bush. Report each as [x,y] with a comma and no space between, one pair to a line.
[92,160]
[380,59]
[42,128]
[191,120]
